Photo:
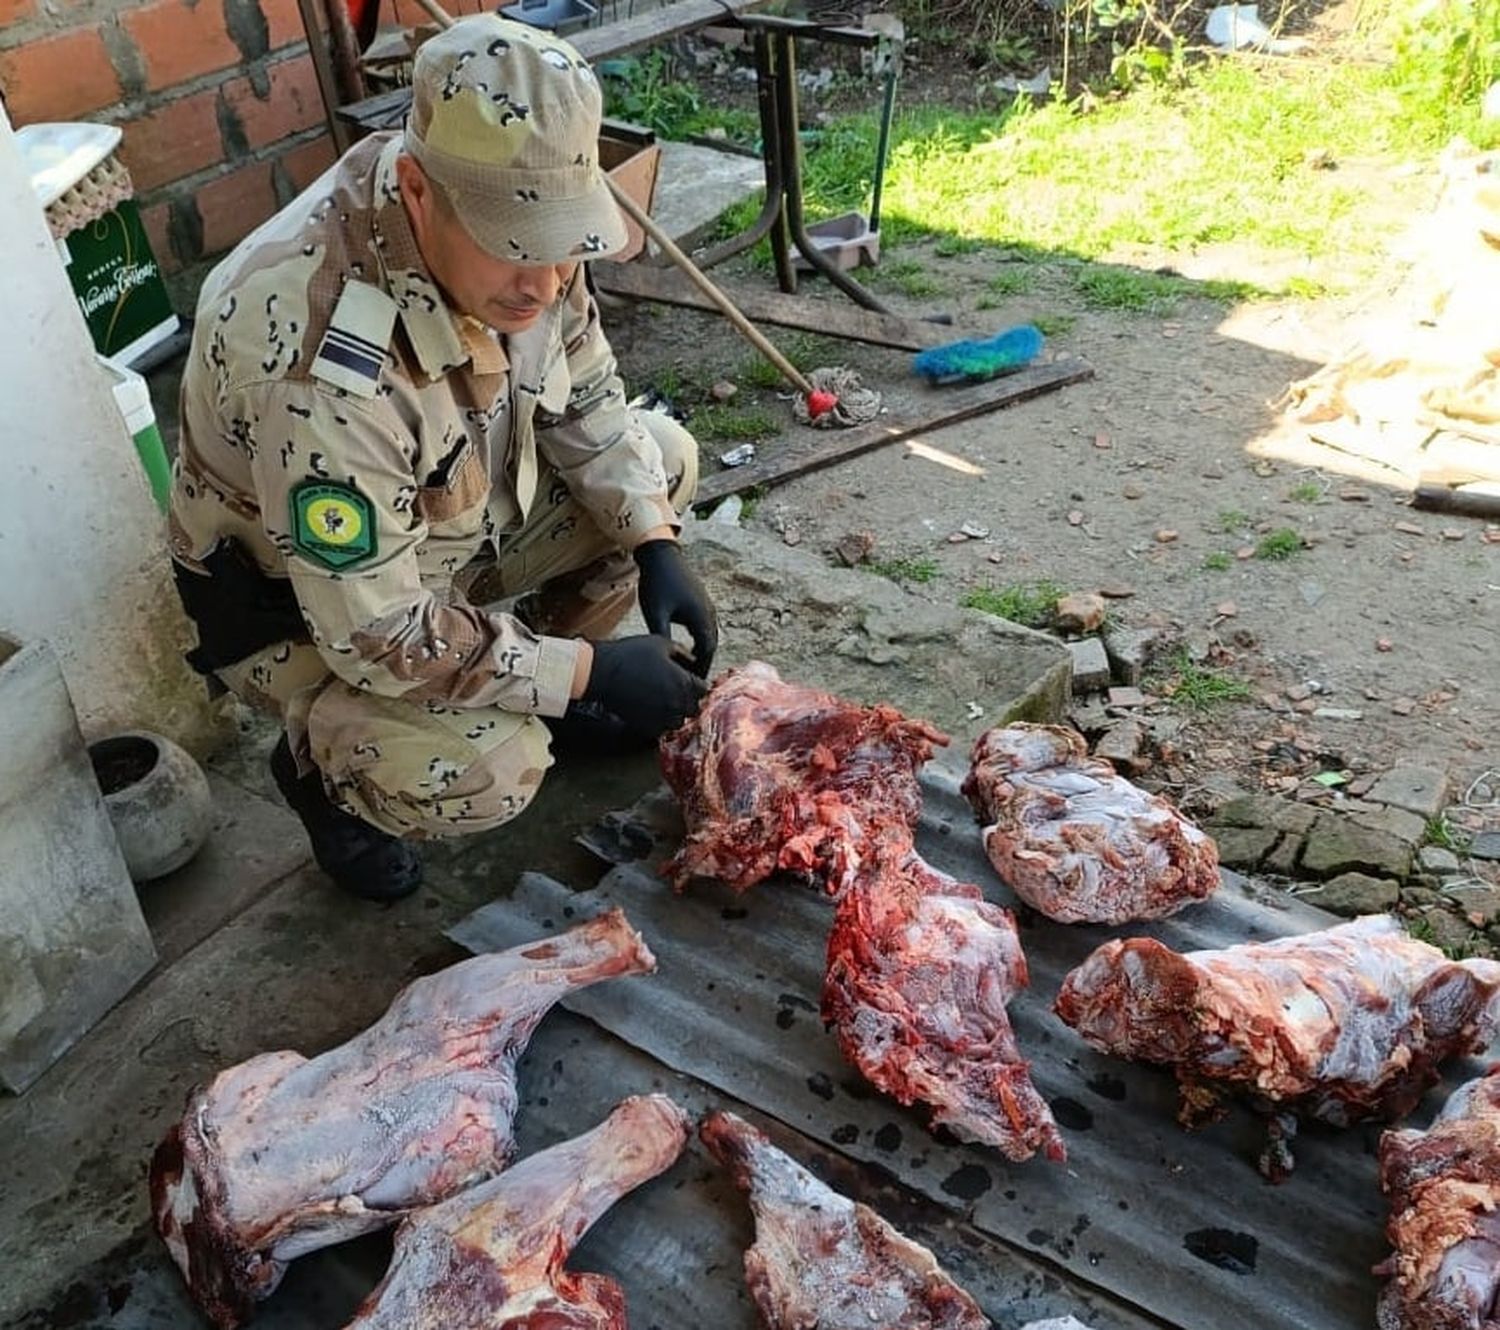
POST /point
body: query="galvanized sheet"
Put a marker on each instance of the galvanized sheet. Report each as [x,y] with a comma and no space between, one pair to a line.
[1179,1224]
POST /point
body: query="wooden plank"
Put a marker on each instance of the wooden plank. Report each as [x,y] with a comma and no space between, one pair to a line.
[642,281]
[814,449]
[657,25]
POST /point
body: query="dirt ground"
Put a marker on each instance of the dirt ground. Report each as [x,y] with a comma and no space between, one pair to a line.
[1171,462]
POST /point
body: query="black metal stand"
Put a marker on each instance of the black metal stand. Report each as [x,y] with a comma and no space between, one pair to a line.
[776,91]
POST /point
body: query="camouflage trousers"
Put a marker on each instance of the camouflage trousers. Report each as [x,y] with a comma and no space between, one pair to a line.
[422,770]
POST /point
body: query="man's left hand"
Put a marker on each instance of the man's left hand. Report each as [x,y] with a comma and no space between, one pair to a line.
[671,593]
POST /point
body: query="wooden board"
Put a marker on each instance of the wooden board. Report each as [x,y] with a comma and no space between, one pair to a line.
[667,286]
[811,450]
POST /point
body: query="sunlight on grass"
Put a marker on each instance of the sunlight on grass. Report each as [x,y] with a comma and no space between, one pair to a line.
[1029,603]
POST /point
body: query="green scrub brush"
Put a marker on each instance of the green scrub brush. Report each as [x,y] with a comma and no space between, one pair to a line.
[973,361]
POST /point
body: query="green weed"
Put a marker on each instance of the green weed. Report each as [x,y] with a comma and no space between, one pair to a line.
[906,570]
[1199,687]
[757,372]
[1029,603]
[909,277]
[1279,544]
[1128,290]
[1015,279]
[750,501]
[1218,562]
[1442,832]
[1231,520]
[1308,491]
[950,245]
[1055,325]
[645,91]
[737,424]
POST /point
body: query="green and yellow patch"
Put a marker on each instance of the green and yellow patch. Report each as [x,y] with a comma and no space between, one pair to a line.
[332,524]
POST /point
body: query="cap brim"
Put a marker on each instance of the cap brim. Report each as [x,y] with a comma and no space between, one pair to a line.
[545,230]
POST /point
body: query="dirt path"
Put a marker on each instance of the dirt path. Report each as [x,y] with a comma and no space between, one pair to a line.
[1158,477]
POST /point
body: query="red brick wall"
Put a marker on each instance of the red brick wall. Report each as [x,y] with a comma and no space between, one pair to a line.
[217,100]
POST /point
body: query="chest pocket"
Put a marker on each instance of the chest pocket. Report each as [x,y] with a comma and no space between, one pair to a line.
[454,492]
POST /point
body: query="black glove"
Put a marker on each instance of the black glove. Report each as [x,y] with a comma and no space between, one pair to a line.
[642,681]
[671,593]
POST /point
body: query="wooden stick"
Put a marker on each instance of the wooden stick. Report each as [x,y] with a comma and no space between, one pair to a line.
[726,307]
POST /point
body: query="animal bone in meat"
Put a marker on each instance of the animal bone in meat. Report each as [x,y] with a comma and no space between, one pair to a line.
[281,1155]
[491,1258]
[772,775]
[1343,1024]
[821,1261]
[1075,840]
[1444,1188]
[920,968]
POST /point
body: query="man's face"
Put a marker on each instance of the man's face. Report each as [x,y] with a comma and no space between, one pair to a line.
[508,297]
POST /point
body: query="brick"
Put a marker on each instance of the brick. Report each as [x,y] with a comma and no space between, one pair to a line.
[179,41]
[283,23]
[234,205]
[58,78]
[13,11]
[156,220]
[292,105]
[172,141]
[307,162]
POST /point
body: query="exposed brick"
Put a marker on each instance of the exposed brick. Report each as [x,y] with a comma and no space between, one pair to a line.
[307,162]
[157,220]
[173,141]
[293,103]
[234,205]
[283,22]
[179,41]
[58,78]
[13,11]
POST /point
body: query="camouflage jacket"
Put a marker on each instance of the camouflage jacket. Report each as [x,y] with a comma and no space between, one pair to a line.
[367,442]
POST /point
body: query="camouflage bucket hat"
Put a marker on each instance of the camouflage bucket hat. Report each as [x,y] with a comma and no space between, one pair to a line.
[506,119]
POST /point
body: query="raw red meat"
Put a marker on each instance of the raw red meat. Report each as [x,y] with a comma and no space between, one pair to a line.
[491,1258]
[280,1155]
[1075,840]
[772,776]
[1444,1188]
[920,968]
[821,1261]
[1339,1025]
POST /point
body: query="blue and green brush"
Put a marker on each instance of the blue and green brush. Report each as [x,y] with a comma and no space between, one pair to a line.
[973,360]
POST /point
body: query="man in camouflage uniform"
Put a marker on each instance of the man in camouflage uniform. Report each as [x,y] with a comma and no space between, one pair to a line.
[399,409]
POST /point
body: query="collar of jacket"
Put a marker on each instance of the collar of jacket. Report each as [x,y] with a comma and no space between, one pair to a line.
[442,338]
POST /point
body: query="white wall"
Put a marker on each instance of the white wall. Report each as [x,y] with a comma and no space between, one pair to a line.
[82,553]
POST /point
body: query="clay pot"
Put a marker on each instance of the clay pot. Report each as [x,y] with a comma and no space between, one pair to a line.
[157,798]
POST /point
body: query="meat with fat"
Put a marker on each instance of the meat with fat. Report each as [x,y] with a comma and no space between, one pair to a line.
[492,1257]
[1444,1190]
[1076,841]
[1339,1025]
[281,1155]
[772,775]
[823,1262]
[920,969]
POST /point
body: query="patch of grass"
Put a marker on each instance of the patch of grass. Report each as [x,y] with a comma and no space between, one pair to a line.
[1028,603]
[1199,687]
[1055,325]
[1443,833]
[1014,279]
[1308,491]
[733,424]
[905,570]
[750,501]
[675,383]
[1231,520]
[909,277]
[1220,561]
[1128,290]
[949,246]
[1422,930]
[1279,544]
[757,372]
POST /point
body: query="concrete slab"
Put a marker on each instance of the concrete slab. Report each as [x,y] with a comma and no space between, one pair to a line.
[253,845]
[1419,790]
[695,184]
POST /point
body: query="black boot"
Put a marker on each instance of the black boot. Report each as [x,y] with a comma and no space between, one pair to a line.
[361,859]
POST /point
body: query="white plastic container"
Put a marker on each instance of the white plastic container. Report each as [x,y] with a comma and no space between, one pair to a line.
[133,398]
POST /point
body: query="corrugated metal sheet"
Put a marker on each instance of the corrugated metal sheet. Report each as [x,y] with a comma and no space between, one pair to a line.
[1178,1224]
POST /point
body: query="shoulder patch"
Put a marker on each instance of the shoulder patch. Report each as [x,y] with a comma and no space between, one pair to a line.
[353,348]
[332,524]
